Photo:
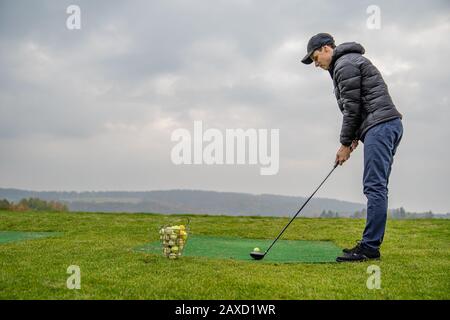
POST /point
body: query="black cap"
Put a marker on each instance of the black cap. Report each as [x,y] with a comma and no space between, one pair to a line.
[316,42]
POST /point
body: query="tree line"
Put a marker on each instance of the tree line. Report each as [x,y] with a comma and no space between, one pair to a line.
[33,204]
[36,204]
[399,213]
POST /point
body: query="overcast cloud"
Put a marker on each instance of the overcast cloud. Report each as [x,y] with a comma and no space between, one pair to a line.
[94,109]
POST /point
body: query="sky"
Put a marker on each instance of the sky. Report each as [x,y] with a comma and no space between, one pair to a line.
[95,108]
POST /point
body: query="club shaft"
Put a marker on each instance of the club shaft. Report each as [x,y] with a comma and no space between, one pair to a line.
[282,231]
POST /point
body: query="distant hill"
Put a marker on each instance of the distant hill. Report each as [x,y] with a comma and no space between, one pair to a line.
[187,201]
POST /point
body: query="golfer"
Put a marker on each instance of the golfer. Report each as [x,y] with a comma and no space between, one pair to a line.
[369,115]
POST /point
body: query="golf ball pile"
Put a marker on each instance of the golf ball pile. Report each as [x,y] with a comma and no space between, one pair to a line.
[173,240]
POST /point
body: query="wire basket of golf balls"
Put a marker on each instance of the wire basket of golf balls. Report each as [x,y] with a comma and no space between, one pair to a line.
[173,240]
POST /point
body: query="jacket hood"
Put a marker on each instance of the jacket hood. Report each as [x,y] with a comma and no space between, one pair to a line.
[343,49]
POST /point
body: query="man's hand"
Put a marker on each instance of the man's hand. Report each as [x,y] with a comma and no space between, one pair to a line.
[343,154]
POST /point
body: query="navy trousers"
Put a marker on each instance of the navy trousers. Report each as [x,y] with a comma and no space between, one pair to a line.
[380,145]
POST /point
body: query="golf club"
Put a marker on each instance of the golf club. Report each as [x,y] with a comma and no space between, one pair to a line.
[259,255]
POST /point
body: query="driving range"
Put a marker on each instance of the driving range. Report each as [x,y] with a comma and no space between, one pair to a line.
[120,257]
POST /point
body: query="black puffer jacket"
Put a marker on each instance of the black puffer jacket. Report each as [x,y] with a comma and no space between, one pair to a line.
[361,92]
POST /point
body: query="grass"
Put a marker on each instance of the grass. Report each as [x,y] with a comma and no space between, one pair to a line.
[415,260]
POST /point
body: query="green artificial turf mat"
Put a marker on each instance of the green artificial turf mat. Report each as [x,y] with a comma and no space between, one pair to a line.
[239,249]
[12,236]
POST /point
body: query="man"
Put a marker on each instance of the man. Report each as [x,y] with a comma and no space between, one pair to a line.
[369,115]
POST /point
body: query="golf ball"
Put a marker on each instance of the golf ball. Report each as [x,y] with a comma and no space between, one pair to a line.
[173,256]
[173,237]
[256,250]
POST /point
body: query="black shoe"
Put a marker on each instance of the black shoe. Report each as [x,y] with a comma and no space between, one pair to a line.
[359,254]
[355,248]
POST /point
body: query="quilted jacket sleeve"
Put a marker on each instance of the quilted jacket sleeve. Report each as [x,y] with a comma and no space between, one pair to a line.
[348,78]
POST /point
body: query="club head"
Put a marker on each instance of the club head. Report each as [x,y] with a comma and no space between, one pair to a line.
[257,255]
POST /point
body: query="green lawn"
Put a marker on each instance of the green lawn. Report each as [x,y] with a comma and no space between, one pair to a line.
[415,260]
